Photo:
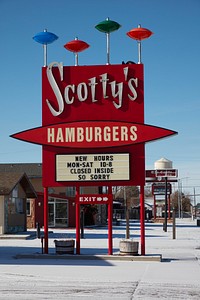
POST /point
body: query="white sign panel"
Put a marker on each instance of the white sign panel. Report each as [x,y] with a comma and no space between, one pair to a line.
[166,173]
[92,167]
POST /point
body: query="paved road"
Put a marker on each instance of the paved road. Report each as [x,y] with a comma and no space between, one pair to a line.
[176,277]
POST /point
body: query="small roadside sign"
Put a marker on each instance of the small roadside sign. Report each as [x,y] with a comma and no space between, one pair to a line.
[166,173]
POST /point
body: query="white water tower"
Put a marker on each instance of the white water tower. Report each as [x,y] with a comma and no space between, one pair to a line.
[163,163]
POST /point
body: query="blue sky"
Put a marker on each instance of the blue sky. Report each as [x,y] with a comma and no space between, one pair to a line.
[171,61]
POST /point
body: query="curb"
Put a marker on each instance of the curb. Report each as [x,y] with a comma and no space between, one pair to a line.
[116,257]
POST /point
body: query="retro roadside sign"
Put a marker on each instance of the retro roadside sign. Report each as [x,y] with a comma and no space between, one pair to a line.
[159,188]
[93,130]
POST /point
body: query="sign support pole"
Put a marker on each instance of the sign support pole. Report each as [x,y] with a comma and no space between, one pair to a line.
[142,221]
[110,217]
[169,213]
[165,222]
[174,223]
[77,222]
[154,206]
[45,220]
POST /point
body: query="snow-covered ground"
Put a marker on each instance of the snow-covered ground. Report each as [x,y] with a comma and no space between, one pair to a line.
[176,277]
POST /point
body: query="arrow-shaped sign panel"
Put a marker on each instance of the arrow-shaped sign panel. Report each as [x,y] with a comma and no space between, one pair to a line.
[95,134]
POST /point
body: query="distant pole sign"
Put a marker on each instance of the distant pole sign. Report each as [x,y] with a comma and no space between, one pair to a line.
[166,173]
[150,173]
[161,173]
[159,188]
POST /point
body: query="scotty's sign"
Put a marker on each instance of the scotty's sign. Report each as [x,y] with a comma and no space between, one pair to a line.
[87,110]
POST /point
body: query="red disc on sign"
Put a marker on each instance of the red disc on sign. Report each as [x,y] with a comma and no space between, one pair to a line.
[76,46]
[139,33]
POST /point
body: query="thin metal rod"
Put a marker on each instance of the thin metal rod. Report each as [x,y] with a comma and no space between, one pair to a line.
[108,48]
[45,54]
[139,48]
[139,52]
[76,59]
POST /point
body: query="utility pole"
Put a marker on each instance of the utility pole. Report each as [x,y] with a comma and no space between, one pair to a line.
[194,203]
